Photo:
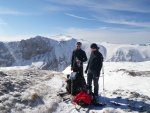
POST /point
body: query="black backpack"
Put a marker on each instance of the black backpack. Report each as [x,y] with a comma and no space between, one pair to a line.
[73,87]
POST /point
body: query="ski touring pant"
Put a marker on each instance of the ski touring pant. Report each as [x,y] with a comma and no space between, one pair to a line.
[92,76]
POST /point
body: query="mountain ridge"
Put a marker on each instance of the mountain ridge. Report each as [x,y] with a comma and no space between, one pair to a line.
[55,54]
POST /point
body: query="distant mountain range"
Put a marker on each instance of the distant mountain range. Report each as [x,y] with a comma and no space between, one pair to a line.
[55,53]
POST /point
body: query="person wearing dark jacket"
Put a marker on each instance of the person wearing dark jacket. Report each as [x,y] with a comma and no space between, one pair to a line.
[78,57]
[93,68]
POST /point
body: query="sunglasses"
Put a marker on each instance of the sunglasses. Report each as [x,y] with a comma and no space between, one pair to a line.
[78,46]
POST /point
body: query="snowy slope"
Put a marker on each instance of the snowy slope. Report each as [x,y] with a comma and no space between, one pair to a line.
[29,91]
[127,52]
[54,53]
[126,83]
[26,90]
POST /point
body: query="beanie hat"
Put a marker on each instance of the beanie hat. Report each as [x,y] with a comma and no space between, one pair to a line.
[79,43]
[94,46]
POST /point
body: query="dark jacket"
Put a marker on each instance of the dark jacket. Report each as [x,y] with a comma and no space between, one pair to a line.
[81,55]
[95,62]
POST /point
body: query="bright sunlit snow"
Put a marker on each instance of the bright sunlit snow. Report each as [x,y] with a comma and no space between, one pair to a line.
[118,80]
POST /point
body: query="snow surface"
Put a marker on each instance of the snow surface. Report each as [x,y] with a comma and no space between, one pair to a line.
[35,91]
[29,91]
[119,82]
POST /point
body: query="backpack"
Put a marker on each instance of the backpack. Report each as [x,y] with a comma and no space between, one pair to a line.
[83,98]
[73,84]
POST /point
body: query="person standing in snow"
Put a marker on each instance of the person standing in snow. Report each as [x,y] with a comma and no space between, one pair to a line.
[78,57]
[93,68]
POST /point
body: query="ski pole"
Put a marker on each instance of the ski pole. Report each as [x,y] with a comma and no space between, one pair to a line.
[103,83]
[71,87]
[71,96]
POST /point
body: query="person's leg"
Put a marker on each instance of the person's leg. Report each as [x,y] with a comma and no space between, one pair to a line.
[96,85]
[89,79]
[82,76]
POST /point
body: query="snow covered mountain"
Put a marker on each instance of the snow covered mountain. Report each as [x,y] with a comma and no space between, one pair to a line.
[55,53]
[127,52]
[40,52]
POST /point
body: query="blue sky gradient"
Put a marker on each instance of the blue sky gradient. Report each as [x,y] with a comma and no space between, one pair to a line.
[116,21]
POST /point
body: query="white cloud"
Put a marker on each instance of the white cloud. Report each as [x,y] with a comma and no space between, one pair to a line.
[110,35]
[101,34]
[121,5]
[6,38]
[103,9]
[125,22]
[114,21]
[79,17]
[14,38]
[6,11]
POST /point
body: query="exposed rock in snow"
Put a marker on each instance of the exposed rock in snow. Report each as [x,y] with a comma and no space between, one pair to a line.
[40,52]
[29,91]
[135,73]
[6,59]
[35,46]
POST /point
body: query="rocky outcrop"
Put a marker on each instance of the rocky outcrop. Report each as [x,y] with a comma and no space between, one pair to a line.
[6,59]
[41,52]
[33,47]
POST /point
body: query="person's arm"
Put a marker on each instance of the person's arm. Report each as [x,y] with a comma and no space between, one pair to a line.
[84,57]
[87,67]
[72,59]
[101,57]
[100,64]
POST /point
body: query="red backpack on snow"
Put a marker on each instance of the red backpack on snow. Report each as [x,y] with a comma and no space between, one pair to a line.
[83,99]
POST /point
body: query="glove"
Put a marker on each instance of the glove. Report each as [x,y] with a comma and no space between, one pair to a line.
[71,68]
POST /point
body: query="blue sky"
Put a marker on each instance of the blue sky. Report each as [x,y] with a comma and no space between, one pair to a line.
[116,21]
